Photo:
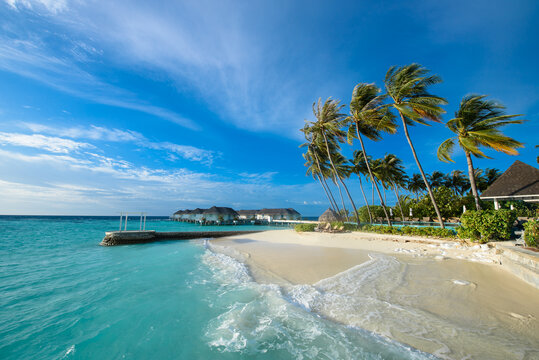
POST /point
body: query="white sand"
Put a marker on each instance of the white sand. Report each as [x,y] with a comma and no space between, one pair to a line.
[418,292]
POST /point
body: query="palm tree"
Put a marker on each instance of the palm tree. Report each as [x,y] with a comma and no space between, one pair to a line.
[492,175]
[369,118]
[437,179]
[416,185]
[391,173]
[313,153]
[458,182]
[477,123]
[407,86]
[329,122]
[315,173]
[360,168]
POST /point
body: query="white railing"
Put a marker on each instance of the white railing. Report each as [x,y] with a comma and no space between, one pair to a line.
[142,215]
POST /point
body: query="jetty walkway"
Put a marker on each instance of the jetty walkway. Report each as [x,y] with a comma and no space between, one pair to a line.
[113,238]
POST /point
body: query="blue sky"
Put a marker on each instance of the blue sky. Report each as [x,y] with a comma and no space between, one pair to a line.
[107,106]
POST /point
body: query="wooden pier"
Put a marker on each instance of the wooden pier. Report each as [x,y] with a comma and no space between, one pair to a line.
[113,238]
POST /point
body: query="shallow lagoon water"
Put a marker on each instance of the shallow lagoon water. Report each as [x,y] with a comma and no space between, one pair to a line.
[64,296]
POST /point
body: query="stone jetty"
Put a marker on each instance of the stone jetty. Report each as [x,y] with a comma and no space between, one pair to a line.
[113,238]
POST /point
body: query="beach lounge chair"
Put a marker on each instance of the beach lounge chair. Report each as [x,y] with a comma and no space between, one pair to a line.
[397,219]
[427,219]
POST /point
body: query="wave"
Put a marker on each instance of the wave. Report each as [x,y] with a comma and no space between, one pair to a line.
[261,319]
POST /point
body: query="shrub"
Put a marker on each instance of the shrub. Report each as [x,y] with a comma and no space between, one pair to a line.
[410,230]
[531,233]
[376,211]
[304,227]
[487,225]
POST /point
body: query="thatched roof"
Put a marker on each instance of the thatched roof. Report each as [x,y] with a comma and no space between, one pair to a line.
[520,180]
[330,215]
[247,212]
[288,211]
[215,210]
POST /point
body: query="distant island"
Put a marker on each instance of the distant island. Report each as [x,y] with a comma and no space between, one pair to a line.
[227,215]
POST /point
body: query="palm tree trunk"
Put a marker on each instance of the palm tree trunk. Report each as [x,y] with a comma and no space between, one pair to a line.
[336,175]
[365,198]
[471,174]
[405,127]
[372,176]
[325,190]
[398,201]
[324,180]
[342,199]
[351,201]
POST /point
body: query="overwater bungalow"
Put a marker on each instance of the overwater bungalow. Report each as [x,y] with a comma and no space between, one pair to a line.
[278,214]
[247,214]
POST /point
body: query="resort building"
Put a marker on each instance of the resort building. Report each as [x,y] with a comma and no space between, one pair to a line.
[247,214]
[519,182]
[226,215]
[278,214]
[217,214]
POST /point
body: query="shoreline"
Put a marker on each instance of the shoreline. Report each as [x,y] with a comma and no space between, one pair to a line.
[441,297]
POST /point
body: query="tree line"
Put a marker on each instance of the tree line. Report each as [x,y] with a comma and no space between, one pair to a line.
[404,101]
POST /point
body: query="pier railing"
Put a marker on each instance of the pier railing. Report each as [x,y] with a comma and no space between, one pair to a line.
[142,215]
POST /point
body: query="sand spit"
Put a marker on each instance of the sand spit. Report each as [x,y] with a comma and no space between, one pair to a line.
[446,298]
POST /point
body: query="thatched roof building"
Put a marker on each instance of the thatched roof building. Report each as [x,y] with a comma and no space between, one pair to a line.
[329,215]
[519,182]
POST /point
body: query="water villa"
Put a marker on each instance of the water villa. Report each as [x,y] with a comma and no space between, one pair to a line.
[226,215]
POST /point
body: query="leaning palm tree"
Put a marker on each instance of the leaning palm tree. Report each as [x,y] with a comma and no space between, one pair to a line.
[369,118]
[360,169]
[329,122]
[416,185]
[313,155]
[392,175]
[312,170]
[407,86]
[477,123]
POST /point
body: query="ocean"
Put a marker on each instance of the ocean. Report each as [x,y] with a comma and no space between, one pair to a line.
[62,296]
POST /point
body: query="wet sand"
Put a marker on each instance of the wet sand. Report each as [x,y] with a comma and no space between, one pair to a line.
[420,294]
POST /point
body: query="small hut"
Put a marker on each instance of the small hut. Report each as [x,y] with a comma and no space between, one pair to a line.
[519,182]
[330,215]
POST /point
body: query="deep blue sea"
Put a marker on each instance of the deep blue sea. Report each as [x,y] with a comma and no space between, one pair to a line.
[62,296]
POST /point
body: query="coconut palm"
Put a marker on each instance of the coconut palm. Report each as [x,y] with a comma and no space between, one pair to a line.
[391,174]
[313,154]
[369,118]
[313,170]
[329,122]
[477,123]
[437,179]
[458,182]
[416,185]
[407,86]
[360,169]
[492,175]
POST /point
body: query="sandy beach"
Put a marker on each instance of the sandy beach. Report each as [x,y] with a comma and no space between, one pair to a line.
[449,299]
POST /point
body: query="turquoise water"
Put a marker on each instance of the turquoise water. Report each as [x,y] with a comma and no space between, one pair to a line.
[65,297]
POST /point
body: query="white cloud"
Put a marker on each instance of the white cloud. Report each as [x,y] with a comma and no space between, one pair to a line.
[116,135]
[37,141]
[53,6]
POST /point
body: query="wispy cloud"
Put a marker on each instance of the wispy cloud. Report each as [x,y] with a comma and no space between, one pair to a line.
[30,58]
[37,141]
[94,132]
[217,55]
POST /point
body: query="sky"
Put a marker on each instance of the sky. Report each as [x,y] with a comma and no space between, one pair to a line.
[109,106]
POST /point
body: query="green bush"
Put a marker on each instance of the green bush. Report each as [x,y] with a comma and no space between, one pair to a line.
[531,233]
[486,225]
[376,211]
[410,230]
[304,227]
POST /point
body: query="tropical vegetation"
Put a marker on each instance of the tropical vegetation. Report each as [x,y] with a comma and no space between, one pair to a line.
[404,100]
